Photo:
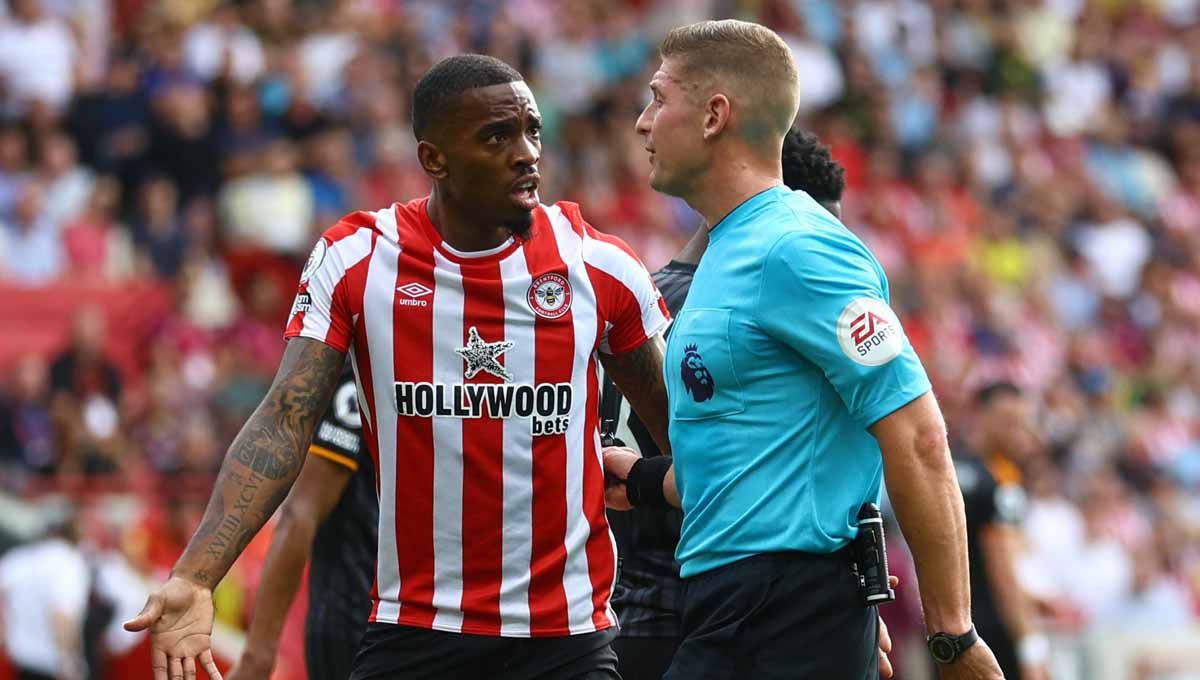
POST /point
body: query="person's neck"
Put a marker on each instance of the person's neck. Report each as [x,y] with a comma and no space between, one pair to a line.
[693,250]
[729,183]
[460,231]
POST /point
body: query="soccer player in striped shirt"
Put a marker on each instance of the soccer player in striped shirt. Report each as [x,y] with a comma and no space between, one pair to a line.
[474,320]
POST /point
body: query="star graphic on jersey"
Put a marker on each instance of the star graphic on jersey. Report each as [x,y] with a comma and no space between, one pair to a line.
[481,356]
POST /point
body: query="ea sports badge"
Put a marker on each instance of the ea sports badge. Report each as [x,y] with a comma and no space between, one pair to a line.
[550,296]
[869,332]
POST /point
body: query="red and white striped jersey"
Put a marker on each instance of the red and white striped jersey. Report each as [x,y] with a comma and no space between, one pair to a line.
[478,388]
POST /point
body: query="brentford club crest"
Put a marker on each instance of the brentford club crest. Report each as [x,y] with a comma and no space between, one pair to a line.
[550,296]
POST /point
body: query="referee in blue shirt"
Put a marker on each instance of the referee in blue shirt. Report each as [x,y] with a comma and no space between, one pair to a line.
[792,389]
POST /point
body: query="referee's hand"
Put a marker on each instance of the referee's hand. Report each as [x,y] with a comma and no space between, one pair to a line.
[977,663]
[179,616]
[618,461]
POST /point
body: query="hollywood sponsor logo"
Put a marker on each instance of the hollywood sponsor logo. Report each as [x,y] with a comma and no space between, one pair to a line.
[415,292]
[547,405]
[869,332]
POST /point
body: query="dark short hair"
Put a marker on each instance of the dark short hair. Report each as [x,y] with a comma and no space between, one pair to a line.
[451,77]
[990,392]
[809,167]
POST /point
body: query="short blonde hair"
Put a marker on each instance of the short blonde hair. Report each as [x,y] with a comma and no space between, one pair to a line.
[750,59]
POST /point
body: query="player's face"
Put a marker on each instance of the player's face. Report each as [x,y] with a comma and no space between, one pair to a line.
[673,126]
[492,154]
[1011,426]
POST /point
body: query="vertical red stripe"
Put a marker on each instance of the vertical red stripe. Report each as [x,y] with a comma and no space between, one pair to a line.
[357,277]
[413,362]
[554,347]
[601,564]
[483,463]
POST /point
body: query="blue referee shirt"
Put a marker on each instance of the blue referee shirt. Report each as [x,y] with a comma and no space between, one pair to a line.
[785,352]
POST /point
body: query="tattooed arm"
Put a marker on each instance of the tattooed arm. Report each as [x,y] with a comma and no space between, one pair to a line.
[258,471]
[639,375]
[263,461]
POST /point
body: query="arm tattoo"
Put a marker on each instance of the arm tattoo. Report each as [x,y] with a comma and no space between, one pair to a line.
[263,461]
[639,374]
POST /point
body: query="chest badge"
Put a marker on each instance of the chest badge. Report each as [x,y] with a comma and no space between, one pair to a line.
[696,377]
[550,296]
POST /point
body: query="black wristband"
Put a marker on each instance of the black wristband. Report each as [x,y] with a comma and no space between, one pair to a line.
[644,486]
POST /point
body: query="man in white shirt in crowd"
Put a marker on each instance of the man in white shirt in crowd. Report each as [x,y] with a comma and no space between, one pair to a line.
[43,598]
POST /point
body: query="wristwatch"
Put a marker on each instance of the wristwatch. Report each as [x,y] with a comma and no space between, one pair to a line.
[945,648]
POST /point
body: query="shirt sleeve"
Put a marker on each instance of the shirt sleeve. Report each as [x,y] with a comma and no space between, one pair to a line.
[633,309]
[321,310]
[338,435]
[826,297]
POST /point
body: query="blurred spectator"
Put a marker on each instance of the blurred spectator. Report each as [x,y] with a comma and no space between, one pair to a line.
[111,123]
[82,371]
[222,47]
[273,207]
[45,594]
[26,430]
[183,140]
[68,184]
[37,58]
[156,226]
[31,245]
[96,245]
[87,392]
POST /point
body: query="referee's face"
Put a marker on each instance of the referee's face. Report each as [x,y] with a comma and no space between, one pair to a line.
[672,125]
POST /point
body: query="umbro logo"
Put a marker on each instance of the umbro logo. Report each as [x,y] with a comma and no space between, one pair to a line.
[415,291]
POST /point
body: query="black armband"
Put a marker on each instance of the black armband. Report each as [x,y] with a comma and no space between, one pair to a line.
[644,487]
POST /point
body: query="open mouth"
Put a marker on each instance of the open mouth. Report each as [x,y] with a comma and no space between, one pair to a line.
[525,192]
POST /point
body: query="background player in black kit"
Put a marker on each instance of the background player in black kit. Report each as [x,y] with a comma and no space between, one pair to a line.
[332,512]
[999,436]
[647,594]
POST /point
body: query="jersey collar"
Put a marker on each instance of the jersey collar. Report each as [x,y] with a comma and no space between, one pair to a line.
[746,207]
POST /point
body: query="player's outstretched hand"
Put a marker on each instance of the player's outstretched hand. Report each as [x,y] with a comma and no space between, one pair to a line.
[179,616]
[618,461]
[977,663]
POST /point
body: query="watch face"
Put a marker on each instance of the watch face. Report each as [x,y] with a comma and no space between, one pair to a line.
[942,649]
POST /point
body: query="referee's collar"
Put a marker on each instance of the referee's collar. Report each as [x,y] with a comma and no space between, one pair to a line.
[744,207]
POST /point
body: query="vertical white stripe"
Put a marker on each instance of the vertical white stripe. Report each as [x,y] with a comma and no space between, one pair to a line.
[378,311]
[385,221]
[517,539]
[448,546]
[576,579]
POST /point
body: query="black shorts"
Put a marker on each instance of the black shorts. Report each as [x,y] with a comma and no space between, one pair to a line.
[780,615]
[329,649]
[391,652]
[644,658]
